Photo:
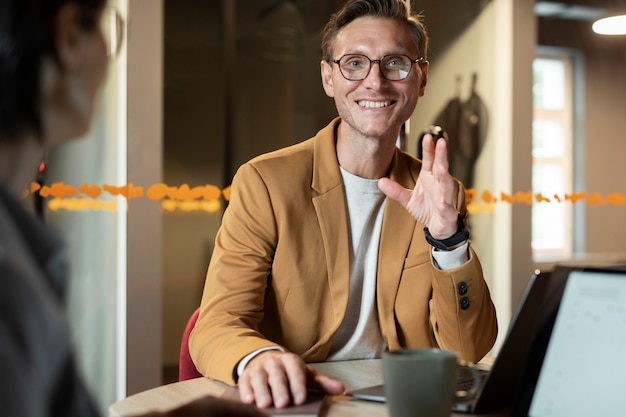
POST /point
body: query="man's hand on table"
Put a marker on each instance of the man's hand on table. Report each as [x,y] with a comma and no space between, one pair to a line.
[275,377]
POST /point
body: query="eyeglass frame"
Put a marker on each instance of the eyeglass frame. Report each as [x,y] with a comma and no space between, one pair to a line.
[420,60]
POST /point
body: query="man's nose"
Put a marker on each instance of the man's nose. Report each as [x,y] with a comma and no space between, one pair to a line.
[375,75]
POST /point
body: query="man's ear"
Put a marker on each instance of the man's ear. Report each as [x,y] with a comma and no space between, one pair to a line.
[424,79]
[68,36]
[326,70]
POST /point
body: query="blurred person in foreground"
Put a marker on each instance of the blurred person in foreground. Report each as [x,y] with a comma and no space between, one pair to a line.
[342,246]
[53,60]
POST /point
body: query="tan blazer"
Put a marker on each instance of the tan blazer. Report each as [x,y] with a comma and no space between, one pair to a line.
[279,271]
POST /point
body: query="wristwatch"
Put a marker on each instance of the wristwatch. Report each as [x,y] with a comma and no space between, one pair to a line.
[461,235]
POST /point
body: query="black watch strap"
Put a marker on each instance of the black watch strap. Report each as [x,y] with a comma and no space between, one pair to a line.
[461,235]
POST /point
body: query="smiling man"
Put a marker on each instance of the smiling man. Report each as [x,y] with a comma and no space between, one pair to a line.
[343,246]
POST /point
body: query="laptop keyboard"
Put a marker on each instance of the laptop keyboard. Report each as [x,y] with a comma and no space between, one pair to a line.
[465,380]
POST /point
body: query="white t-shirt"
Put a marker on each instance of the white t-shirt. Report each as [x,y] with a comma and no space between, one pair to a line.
[359,335]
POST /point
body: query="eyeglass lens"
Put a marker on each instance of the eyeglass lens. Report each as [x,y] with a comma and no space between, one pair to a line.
[392,67]
[112,27]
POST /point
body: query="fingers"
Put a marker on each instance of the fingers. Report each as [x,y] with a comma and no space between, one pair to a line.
[441,172]
[296,374]
[440,165]
[428,153]
[274,377]
[435,156]
[325,383]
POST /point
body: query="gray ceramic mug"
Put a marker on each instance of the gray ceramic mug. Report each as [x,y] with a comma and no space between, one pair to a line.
[422,382]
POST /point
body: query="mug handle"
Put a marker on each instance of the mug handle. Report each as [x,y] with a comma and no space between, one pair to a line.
[476,381]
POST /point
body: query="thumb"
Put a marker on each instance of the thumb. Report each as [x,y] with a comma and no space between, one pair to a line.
[394,191]
[330,385]
[324,383]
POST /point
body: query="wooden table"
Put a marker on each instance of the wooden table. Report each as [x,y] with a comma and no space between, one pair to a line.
[354,375]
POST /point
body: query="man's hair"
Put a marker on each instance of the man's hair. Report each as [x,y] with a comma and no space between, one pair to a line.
[394,9]
[26,36]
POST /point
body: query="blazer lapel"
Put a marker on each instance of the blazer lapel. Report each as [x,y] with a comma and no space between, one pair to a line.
[330,207]
[397,232]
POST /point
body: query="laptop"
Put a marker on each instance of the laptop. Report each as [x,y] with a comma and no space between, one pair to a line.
[579,350]
[501,381]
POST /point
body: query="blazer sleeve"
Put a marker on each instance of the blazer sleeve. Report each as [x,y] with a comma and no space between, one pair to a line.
[233,299]
[462,314]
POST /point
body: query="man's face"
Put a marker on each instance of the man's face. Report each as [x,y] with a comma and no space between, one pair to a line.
[374,107]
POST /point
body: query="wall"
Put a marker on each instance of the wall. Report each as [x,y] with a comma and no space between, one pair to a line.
[192,154]
[604,124]
[144,165]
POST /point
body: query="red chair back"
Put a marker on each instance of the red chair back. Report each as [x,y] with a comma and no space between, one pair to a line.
[186,367]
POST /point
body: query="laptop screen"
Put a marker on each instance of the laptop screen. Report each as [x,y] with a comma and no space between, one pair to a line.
[584,360]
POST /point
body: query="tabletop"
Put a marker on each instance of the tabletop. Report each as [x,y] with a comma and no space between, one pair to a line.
[354,374]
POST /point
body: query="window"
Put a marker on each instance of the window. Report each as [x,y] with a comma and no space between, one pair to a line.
[553,155]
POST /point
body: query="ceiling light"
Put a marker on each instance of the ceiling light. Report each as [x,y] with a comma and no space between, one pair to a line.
[615,25]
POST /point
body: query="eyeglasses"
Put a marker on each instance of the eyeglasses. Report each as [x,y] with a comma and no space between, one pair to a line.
[112,26]
[356,67]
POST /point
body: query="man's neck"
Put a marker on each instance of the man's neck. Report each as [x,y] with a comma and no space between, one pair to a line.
[366,157]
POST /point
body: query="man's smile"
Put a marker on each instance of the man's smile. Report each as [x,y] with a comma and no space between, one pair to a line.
[374,104]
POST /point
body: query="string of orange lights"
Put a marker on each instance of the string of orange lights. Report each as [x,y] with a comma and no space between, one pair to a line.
[206,198]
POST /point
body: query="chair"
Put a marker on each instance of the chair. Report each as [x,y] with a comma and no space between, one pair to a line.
[186,367]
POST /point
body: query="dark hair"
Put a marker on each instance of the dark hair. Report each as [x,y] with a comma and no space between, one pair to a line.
[353,9]
[26,36]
